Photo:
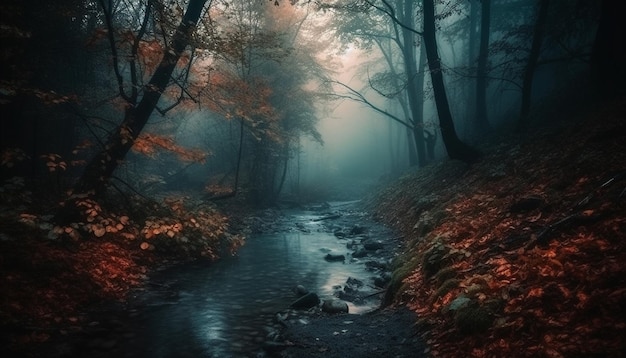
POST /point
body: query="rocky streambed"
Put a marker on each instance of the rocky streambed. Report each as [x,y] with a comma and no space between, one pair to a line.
[307,283]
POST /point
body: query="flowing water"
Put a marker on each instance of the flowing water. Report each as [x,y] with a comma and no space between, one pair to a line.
[228,308]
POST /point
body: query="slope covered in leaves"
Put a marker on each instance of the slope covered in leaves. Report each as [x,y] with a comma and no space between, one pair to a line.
[524,253]
[51,277]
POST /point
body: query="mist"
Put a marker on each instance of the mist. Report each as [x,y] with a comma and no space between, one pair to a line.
[303,101]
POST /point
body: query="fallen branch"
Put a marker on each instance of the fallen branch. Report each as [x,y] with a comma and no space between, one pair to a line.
[579,216]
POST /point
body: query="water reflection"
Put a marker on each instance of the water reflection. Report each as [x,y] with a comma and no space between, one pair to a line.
[226,309]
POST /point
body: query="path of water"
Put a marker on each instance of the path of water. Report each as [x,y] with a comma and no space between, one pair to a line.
[227,309]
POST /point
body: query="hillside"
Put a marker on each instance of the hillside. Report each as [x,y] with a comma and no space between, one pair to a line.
[524,253]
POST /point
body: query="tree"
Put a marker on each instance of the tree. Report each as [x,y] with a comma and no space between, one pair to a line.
[609,50]
[531,62]
[43,68]
[455,147]
[481,122]
[99,169]
[415,76]
[390,27]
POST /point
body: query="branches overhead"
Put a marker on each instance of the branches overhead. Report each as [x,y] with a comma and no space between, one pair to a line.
[355,95]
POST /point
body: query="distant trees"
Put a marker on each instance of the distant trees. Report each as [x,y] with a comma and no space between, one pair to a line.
[260,49]
[481,121]
[404,17]
[98,70]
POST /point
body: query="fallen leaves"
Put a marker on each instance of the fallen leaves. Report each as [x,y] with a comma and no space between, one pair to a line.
[564,296]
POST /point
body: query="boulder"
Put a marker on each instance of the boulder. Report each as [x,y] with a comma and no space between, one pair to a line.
[382,280]
[300,290]
[354,282]
[334,257]
[357,230]
[373,245]
[333,306]
[305,302]
[359,253]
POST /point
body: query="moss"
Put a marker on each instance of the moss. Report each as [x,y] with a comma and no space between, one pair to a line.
[474,290]
[434,259]
[404,265]
[473,319]
[446,287]
[445,274]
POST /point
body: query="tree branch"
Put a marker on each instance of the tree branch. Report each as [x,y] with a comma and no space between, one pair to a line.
[356,96]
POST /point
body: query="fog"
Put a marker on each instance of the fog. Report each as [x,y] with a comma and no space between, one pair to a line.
[302,101]
[357,146]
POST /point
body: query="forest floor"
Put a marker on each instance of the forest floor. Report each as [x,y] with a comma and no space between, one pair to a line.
[520,255]
[524,253]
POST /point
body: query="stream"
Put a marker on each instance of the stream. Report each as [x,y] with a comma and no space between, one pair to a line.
[229,308]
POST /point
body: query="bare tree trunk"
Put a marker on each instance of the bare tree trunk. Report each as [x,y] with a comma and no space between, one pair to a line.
[413,83]
[101,167]
[455,147]
[481,122]
[531,64]
[609,50]
[418,128]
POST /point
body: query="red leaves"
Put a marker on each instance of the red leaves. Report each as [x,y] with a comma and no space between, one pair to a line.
[560,299]
[149,145]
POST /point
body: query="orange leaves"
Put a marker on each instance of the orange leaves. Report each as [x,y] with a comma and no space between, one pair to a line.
[149,144]
[54,162]
[535,292]
[150,54]
[161,227]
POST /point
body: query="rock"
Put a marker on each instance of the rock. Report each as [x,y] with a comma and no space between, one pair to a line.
[458,303]
[359,253]
[339,234]
[273,347]
[424,224]
[373,265]
[333,306]
[307,301]
[373,245]
[354,282]
[382,280]
[334,257]
[300,290]
[302,228]
[357,230]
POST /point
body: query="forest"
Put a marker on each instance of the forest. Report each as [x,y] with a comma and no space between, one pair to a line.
[468,155]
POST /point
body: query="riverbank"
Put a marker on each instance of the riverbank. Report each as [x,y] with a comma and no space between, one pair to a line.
[519,255]
[522,254]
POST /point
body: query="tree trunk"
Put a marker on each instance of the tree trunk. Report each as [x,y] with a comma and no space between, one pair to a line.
[101,167]
[531,64]
[410,67]
[608,56]
[418,107]
[455,147]
[481,122]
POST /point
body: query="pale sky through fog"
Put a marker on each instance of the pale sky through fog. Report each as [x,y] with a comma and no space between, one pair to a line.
[355,137]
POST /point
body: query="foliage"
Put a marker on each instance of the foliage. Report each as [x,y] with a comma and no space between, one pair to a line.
[148,144]
[542,281]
